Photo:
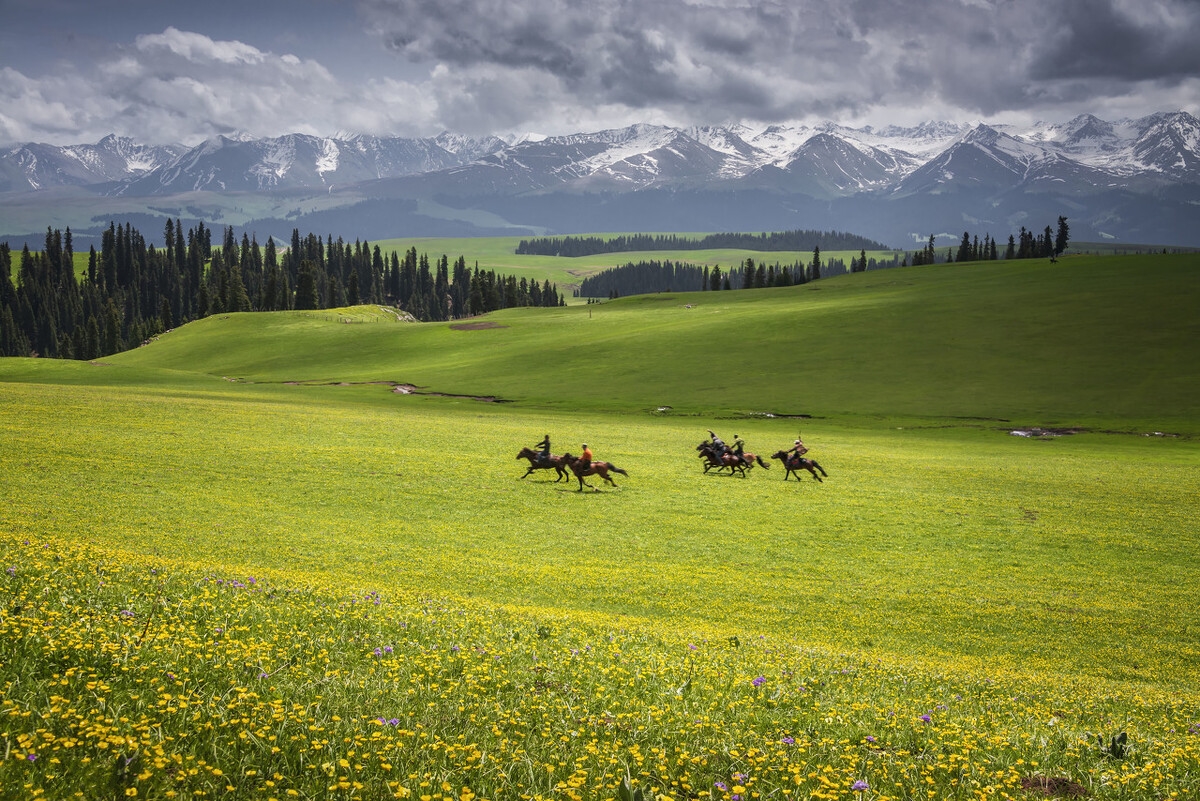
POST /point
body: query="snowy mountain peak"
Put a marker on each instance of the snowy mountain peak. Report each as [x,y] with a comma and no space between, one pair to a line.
[825,160]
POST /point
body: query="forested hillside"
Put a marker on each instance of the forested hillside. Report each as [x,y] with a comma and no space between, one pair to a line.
[132,291]
[773,242]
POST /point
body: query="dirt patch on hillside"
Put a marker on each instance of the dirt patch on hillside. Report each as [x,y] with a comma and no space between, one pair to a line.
[479,326]
[1044,433]
[412,389]
[1053,787]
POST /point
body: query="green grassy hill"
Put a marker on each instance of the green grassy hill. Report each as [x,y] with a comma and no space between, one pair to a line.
[1090,342]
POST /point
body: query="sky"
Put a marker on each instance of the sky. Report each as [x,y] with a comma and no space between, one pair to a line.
[73,71]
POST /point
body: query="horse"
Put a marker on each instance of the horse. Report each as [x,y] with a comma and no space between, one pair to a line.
[736,462]
[550,463]
[795,464]
[593,469]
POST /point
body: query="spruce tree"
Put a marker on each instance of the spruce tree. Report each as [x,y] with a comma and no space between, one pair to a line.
[306,287]
[1063,237]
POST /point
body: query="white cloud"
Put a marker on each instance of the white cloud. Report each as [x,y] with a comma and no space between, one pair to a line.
[198,48]
[180,86]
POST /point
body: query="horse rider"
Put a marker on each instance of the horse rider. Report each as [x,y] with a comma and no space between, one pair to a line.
[739,448]
[796,452]
[719,446]
[544,449]
[586,457]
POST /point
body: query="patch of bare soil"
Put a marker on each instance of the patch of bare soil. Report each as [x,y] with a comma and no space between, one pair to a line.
[1043,433]
[410,389]
[1051,786]
[478,326]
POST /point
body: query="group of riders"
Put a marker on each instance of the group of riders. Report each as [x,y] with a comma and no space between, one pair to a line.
[722,452]
[715,450]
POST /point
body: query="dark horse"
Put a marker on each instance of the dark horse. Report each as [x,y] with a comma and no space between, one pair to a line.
[595,468]
[551,462]
[795,464]
[737,463]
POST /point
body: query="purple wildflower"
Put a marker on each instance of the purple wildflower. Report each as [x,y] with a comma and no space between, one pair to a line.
[870,738]
[378,652]
[859,786]
[760,681]
[720,786]
[926,718]
[387,649]
[12,571]
[788,741]
[31,757]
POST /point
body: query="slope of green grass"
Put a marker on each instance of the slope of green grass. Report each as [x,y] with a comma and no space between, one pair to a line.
[1094,342]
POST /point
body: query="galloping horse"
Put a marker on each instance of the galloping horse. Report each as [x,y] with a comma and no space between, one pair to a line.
[593,469]
[735,463]
[550,463]
[795,464]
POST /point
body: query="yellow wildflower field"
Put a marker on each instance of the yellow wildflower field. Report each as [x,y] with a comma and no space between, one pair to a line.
[253,591]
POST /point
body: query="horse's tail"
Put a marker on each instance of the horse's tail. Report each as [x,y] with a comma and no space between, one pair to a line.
[616,469]
[822,469]
[761,463]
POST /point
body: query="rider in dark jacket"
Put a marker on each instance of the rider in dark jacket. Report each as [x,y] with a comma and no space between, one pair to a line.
[719,446]
[797,451]
[543,449]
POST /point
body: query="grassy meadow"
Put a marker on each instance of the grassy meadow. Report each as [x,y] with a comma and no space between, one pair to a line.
[499,253]
[237,563]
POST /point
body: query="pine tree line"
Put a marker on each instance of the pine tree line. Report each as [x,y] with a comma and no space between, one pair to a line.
[1049,244]
[133,291]
[798,240]
[646,277]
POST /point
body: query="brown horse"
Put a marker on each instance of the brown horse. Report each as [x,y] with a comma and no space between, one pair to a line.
[795,464]
[737,463]
[536,462]
[594,468]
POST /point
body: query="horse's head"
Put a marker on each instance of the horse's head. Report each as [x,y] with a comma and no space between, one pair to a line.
[780,455]
[525,453]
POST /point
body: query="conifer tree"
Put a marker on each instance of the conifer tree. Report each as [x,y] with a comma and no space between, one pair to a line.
[1063,237]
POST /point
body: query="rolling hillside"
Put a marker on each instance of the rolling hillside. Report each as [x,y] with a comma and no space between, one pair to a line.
[1105,342]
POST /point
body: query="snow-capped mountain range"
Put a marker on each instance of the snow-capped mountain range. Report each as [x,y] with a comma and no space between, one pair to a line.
[981,166]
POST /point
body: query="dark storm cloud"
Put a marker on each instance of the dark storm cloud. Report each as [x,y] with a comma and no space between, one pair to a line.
[780,60]
[1124,42]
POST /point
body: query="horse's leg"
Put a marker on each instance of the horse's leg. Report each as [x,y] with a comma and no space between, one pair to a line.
[527,472]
